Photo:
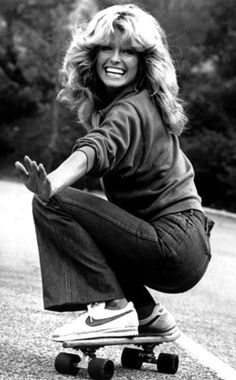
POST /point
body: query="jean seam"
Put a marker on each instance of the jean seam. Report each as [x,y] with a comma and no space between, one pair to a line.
[65,264]
[171,234]
[105,216]
[205,246]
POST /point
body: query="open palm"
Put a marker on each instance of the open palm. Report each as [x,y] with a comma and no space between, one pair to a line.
[34,177]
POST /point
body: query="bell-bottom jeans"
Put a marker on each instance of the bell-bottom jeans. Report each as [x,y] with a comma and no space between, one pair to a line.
[91,250]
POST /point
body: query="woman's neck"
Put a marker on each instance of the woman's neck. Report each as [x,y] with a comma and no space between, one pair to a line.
[105,95]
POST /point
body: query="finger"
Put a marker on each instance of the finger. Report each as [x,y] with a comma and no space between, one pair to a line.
[21,170]
[34,167]
[42,172]
[28,163]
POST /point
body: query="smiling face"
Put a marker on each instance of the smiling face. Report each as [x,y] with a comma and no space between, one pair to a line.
[117,64]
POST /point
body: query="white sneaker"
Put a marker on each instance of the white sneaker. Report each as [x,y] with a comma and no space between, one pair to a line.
[161,323]
[99,322]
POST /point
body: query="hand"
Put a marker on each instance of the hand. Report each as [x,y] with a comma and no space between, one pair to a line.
[35,178]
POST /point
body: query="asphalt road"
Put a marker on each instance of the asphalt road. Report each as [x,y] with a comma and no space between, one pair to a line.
[207,313]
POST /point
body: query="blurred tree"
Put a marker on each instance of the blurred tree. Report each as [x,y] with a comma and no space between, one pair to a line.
[210,90]
[30,50]
[29,58]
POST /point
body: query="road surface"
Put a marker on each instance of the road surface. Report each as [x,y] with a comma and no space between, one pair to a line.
[206,314]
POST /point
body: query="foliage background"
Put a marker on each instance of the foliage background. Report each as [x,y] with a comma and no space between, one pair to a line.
[201,34]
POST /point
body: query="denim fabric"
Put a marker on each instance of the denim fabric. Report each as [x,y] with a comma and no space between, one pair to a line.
[91,250]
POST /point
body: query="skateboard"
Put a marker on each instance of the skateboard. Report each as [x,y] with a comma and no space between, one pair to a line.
[133,358]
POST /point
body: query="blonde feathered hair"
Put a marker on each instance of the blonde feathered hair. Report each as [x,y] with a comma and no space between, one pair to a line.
[144,34]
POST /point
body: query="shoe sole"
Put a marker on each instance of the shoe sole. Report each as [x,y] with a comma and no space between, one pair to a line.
[97,334]
[171,334]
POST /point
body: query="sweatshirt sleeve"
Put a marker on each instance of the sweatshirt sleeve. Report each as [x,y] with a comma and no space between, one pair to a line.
[115,141]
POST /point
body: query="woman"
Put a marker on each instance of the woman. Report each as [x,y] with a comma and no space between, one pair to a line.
[152,231]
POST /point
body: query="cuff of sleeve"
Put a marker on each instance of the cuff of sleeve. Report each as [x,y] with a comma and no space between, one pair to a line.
[90,154]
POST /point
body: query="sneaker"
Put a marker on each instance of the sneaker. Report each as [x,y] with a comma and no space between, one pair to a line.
[99,322]
[160,322]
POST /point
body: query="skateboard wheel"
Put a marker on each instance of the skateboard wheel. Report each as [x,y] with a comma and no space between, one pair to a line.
[101,369]
[167,363]
[131,358]
[66,363]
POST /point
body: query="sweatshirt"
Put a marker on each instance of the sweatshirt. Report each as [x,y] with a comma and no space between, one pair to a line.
[142,166]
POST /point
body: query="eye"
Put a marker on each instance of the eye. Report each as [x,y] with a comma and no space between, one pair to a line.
[105,48]
[129,51]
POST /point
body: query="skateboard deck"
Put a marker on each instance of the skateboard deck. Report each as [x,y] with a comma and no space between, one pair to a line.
[117,341]
[133,358]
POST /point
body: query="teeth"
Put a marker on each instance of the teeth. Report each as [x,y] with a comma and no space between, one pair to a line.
[114,71]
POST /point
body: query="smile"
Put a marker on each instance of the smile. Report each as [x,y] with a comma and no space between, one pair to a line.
[114,72]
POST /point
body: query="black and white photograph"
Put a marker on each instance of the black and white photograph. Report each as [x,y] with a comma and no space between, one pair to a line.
[117,189]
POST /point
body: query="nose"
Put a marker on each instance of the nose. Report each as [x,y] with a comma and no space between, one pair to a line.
[115,56]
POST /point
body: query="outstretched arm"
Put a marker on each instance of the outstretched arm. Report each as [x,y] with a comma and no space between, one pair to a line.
[45,185]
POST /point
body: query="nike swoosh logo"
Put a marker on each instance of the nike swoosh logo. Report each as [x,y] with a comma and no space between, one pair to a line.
[99,322]
[151,322]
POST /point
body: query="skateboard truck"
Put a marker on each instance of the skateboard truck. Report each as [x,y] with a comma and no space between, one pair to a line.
[103,369]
